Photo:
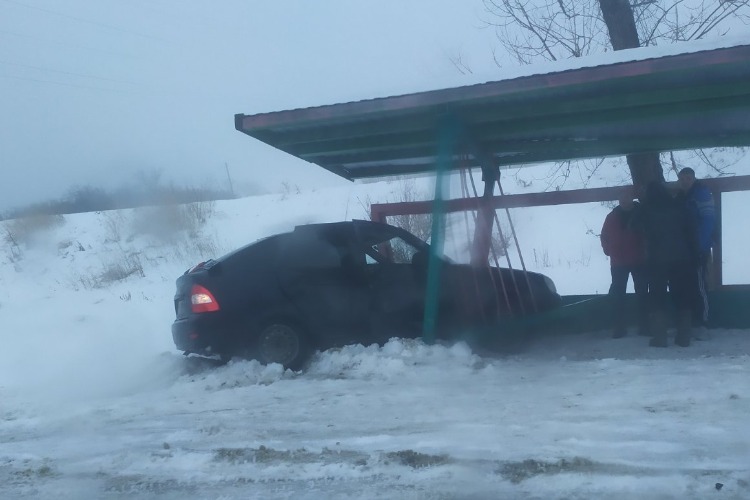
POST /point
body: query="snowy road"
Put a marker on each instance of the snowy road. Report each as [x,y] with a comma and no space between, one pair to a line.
[580,416]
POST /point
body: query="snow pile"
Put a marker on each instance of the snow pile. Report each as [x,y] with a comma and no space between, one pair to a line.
[395,360]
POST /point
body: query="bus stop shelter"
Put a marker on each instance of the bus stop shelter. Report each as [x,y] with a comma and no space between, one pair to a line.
[648,103]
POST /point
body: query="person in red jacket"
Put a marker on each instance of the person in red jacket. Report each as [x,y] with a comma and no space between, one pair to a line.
[624,244]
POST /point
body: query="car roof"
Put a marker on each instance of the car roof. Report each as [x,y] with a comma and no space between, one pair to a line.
[243,248]
[339,224]
[369,231]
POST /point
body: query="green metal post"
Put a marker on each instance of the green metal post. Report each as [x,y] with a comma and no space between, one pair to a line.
[448,134]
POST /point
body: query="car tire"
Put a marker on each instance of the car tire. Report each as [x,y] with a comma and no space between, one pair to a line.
[282,342]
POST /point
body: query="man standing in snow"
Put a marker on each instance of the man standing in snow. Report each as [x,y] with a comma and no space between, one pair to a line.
[625,247]
[699,203]
[671,254]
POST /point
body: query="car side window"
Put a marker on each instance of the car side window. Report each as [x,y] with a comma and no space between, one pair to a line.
[394,250]
[402,251]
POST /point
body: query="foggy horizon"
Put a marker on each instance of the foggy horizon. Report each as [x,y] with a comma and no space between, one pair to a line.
[95,91]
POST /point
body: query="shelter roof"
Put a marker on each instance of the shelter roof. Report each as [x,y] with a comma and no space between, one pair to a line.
[671,102]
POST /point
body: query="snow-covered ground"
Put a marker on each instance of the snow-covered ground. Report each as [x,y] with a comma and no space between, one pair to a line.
[95,402]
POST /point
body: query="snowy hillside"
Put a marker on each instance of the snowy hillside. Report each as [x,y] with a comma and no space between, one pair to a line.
[95,402]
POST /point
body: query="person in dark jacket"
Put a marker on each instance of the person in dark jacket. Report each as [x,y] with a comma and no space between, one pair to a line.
[671,249]
[699,204]
[625,247]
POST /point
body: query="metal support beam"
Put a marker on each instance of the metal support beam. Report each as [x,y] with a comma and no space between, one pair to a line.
[718,185]
[715,278]
[480,249]
[447,144]
[381,210]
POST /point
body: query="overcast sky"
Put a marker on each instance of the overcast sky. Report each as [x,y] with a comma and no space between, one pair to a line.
[94,91]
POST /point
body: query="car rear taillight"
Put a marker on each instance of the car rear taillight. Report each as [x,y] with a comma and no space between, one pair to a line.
[201,300]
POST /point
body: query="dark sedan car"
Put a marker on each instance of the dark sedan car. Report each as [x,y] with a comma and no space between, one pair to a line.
[326,285]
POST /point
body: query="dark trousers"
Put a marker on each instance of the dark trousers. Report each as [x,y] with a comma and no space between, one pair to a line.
[617,294]
[671,278]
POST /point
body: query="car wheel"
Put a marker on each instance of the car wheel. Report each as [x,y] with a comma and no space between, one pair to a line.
[282,343]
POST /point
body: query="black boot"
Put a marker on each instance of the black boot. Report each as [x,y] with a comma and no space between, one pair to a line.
[684,332]
[619,329]
[658,325]
[643,327]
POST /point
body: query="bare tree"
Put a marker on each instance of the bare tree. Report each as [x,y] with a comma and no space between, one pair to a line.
[563,29]
[547,29]
[420,225]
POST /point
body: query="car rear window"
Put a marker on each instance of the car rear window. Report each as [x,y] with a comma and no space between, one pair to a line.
[262,250]
[310,250]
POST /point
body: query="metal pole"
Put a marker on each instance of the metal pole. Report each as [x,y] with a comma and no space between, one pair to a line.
[716,280]
[483,229]
[448,133]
